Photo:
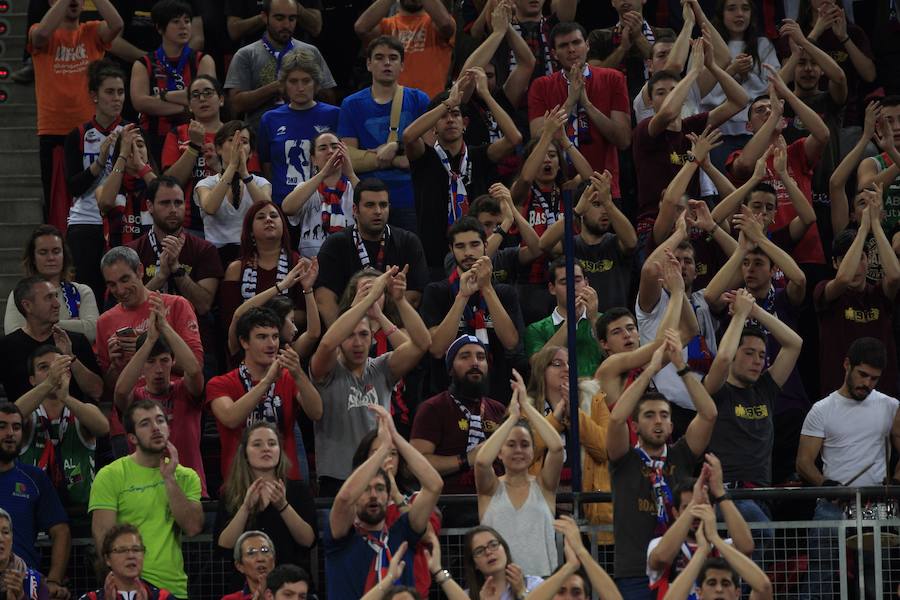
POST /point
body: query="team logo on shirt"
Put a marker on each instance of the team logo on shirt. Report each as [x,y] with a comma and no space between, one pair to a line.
[489,425]
[862,315]
[21,490]
[359,399]
[463,424]
[596,266]
[281,130]
[751,412]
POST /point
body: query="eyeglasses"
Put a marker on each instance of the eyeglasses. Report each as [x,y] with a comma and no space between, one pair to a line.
[251,552]
[559,364]
[128,550]
[479,550]
[207,93]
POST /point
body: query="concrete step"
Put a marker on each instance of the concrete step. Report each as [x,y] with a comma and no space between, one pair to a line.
[19,137]
[17,93]
[20,186]
[19,162]
[11,260]
[12,44]
[15,235]
[21,210]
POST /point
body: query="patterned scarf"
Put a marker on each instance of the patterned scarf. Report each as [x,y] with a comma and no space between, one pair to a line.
[458,204]
[49,462]
[157,249]
[700,357]
[250,277]
[378,542]
[767,305]
[269,408]
[399,406]
[332,204]
[72,297]
[661,490]
[544,46]
[578,126]
[364,254]
[472,423]
[174,75]
[475,312]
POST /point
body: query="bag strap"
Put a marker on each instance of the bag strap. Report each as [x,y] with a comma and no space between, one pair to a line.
[396,108]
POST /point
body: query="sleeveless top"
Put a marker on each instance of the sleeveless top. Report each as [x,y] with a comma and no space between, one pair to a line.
[528,530]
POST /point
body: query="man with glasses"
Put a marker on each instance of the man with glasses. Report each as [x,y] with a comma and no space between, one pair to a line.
[254,558]
[149,489]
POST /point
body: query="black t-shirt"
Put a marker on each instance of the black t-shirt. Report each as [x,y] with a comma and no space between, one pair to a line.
[16,347]
[744,433]
[634,504]
[505,263]
[339,259]
[287,550]
[608,270]
[431,183]
[250,8]
[436,303]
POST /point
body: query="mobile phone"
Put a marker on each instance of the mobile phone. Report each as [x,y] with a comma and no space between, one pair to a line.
[125,332]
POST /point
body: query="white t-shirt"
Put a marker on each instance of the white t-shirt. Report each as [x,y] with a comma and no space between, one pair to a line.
[309,218]
[690,107]
[667,381]
[853,434]
[681,559]
[224,227]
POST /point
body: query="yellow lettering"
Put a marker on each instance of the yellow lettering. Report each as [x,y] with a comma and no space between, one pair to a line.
[860,315]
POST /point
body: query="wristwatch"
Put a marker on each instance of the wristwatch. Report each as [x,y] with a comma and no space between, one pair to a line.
[401,148]
[499,229]
[163,93]
[690,156]
[179,272]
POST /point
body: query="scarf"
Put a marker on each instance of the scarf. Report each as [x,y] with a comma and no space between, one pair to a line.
[174,75]
[269,408]
[661,490]
[490,123]
[332,204]
[458,204]
[49,461]
[578,126]
[700,357]
[157,249]
[542,47]
[250,277]
[470,422]
[543,211]
[278,56]
[767,305]
[364,254]
[72,298]
[399,406]
[32,579]
[475,312]
[378,542]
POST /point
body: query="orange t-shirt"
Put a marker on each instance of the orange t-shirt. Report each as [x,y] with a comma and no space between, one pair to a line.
[427,58]
[60,77]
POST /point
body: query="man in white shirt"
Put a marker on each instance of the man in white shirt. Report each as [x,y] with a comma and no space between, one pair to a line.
[848,427]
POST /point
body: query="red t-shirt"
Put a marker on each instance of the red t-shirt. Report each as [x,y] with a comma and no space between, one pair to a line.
[439,421]
[183,412]
[809,249]
[852,315]
[607,91]
[230,385]
[658,159]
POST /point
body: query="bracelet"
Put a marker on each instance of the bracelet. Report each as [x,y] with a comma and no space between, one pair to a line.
[441,576]
[306,292]
[284,508]
[120,157]
[278,289]
[144,170]
[683,371]
[392,331]
[247,179]
[195,147]
[844,41]
[118,170]
[719,499]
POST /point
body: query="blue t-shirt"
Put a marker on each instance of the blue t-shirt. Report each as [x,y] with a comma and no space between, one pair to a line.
[284,140]
[369,122]
[27,494]
[348,560]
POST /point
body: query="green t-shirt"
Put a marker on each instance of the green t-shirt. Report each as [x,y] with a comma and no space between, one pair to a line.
[72,454]
[589,354]
[138,495]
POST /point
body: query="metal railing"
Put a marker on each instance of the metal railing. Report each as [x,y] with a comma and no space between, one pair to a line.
[795,554]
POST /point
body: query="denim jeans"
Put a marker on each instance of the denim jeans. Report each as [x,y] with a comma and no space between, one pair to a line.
[823,553]
[635,588]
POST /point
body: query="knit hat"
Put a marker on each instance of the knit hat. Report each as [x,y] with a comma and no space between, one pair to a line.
[457,344]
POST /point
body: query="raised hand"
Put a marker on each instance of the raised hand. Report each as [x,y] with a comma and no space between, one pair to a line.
[872,117]
[196,132]
[168,462]
[672,278]
[554,121]
[105,146]
[397,285]
[297,272]
[432,554]
[703,143]
[657,360]
[576,86]
[397,564]
[674,353]
[761,167]
[716,478]
[781,88]
[698,215]
[468,283]
[251,497]
[791,30]
[500,17]
[480,79]
[516,579]
[743,303]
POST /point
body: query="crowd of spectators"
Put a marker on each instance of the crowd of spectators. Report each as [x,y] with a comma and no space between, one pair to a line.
[343,252]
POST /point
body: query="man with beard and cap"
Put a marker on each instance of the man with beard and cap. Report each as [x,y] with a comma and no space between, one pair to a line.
[253,82]
[644,475]
[151,490]
[468,302]
[254,558]
[358,543]
[451,427]
[427,31]
[848,428]
[349,380]
[27,494]
[119,327]
[177,261]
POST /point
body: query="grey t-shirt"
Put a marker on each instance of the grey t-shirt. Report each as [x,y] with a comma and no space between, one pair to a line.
[253,67]
[346,419]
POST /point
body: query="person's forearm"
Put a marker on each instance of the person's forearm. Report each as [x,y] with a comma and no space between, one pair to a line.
[236,414]
[722,281]
[830,68]
[106,193]
[156,106]
[343,326]
[187,514]
[184,356]
[309,19]
[734,91]
[129,375]
[110,15]
[810,473]
[810,118]
[533,163]
[490,448]
[504,327]
[847,269]
[679,184]
[125,50]
[425,123]
[300,530]
[678,54]
[737,526]
[613,59]
[672,105]
[559,338]
[29,402]
[722,212]
[415,327]
[746,568]
[236,526]
[781,258]
[614,132]
[40,35]
[784,335]
[182,169]
[621,226]
[756,146]
[507,126]
[89,415]
[61,541]
[440,18]
[249,100]
[551,437]
[483,54]
[628,400]
[862,63]
[482,22]
[418,465]
[444,334]
[722,184]
[670,543]
[196,294]
[211,198]
[581,164]
[553,234]
[373,15]
[703,403]
[239,28]
[788,67]
[684,583]
[310,400]
[889,262]
[89,382]
[726,243]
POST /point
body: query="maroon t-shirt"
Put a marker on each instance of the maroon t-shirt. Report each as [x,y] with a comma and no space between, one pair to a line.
[183,412]
[658,159]
[440,421]
[854,314]
[230,291]
[230,385]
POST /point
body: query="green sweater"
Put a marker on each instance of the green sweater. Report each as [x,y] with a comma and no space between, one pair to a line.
[588,348]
